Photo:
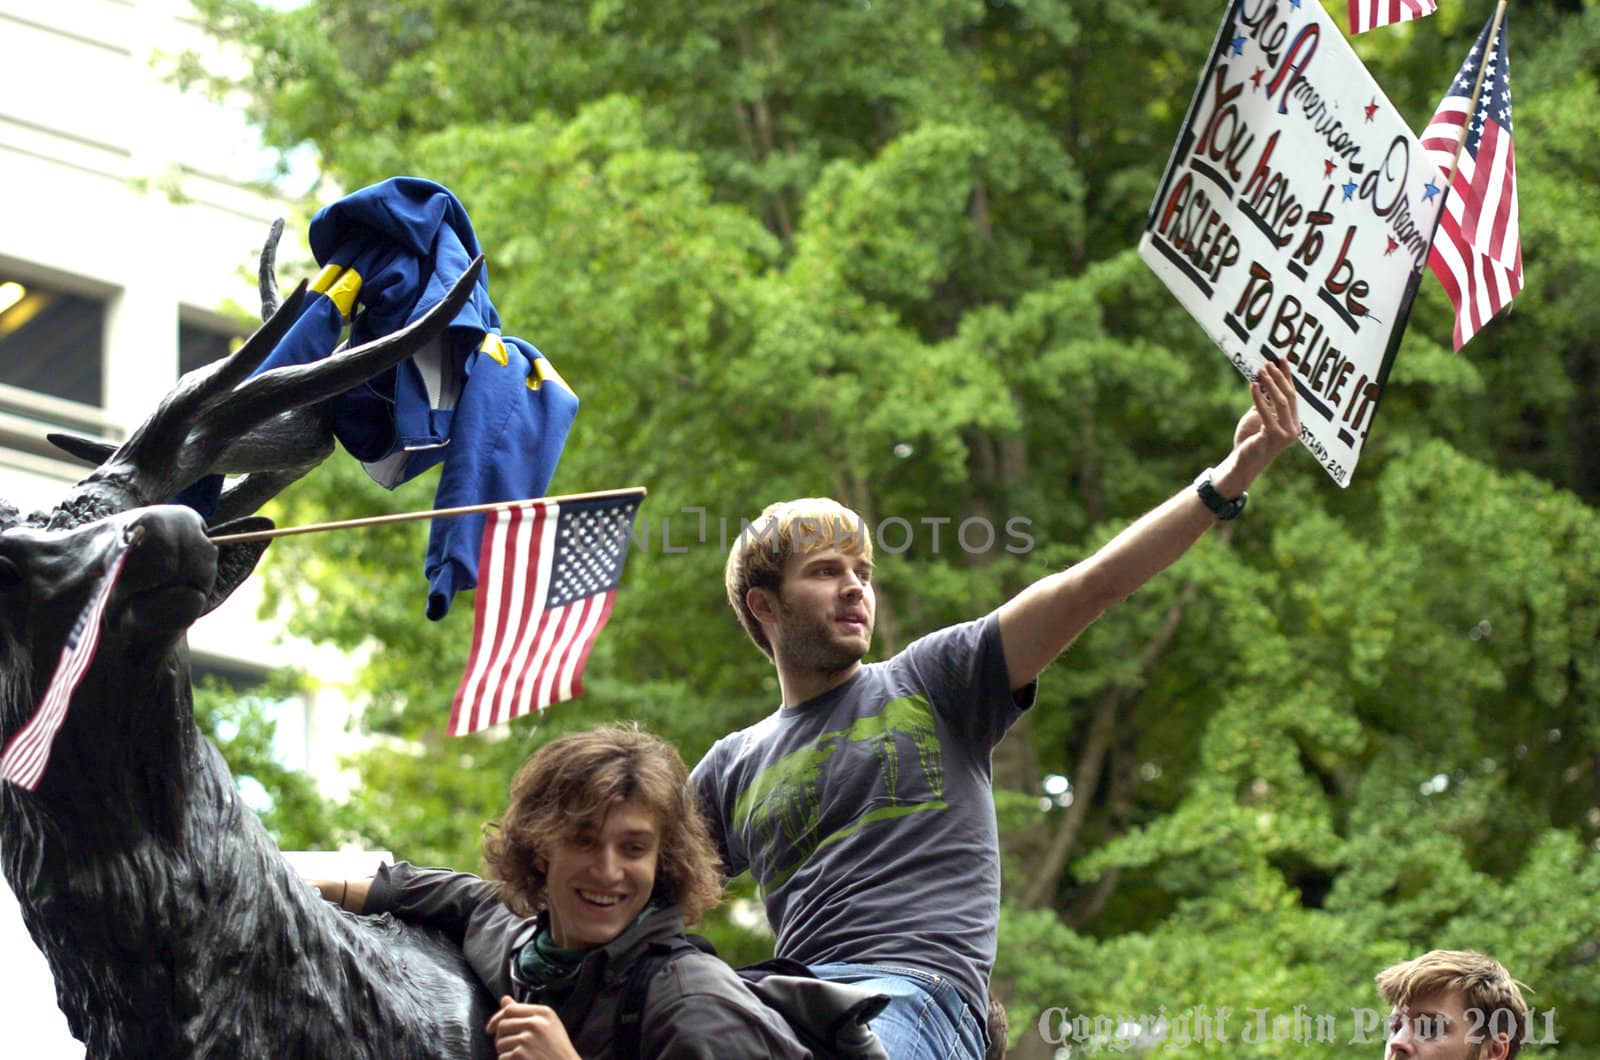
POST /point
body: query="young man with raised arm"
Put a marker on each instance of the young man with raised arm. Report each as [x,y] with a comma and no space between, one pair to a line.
[863,805]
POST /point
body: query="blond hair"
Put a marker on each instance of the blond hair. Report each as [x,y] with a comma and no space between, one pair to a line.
[1483,983]
[784,529]
[571,783]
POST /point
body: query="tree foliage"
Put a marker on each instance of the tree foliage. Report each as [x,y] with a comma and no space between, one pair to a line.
[885,252]
[241,726]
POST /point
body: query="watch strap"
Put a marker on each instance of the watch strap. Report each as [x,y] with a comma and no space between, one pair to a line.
[1222,507]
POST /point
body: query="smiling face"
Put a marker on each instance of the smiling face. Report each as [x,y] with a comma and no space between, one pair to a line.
[1439,1027]
[599,877]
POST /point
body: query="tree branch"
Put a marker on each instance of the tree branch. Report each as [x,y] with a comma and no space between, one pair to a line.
[1091,761]
[1119,805]
[765,142]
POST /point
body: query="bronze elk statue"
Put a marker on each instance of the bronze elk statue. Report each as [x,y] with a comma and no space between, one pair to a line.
[170,921]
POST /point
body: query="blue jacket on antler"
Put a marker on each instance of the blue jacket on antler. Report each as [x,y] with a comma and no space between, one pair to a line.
[492,408]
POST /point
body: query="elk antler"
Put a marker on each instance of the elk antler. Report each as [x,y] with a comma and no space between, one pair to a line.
[294,443]
[220,410]
[311,426]
[267,270]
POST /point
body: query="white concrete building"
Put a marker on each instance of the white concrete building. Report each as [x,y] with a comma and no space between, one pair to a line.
[129,223]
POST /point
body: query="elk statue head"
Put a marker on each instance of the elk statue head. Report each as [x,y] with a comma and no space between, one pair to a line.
[171,924]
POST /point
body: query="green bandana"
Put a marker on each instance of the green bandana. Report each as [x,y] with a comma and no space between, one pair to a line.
[541,962]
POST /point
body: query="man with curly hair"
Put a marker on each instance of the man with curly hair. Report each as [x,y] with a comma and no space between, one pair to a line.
[600,854]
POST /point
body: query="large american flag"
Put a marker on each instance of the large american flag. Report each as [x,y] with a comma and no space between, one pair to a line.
[1477,251]
[547,577]
[29,750]
[1370,14]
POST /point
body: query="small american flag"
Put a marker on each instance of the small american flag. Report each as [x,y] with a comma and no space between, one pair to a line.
[548,575]
[1477,251]
[1370,14]
[28,752]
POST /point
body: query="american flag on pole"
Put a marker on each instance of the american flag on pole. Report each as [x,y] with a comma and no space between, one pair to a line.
[29,750]
[1370,14]
[1477,251]
[547,577]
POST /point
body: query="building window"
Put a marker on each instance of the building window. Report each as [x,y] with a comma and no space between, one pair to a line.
[52,341]
[199,345]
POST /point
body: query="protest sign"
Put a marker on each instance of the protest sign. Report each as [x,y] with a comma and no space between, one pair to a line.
[1294,217]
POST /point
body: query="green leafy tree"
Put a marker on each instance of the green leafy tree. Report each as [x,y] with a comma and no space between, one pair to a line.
[242,727]
[885,252]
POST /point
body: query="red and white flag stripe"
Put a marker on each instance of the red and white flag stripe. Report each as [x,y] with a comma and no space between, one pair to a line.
[526,654]
[28,752]
[1370,14]
[1484,205]
[1476,284]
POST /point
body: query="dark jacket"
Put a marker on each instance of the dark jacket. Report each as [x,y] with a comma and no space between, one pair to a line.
[696,1007]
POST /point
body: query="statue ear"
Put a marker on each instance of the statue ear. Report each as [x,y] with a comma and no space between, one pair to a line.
[236,560]
[91,451]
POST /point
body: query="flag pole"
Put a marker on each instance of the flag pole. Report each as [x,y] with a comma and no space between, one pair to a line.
[1472,105]
[434,513]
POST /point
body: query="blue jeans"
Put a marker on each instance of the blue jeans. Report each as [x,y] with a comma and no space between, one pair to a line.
[926,1019]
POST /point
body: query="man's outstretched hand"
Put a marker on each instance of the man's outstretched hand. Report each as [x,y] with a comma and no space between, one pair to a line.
[1038,623]
[1268,427]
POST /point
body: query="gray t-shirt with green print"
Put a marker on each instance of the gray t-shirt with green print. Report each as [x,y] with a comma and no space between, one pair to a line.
[866,815]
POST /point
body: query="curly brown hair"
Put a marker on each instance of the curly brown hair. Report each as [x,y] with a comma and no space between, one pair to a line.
[570,783]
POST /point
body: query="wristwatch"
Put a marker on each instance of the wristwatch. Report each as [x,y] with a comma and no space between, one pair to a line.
[1223,508]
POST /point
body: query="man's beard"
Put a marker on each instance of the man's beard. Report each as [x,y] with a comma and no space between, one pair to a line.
[810,644]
